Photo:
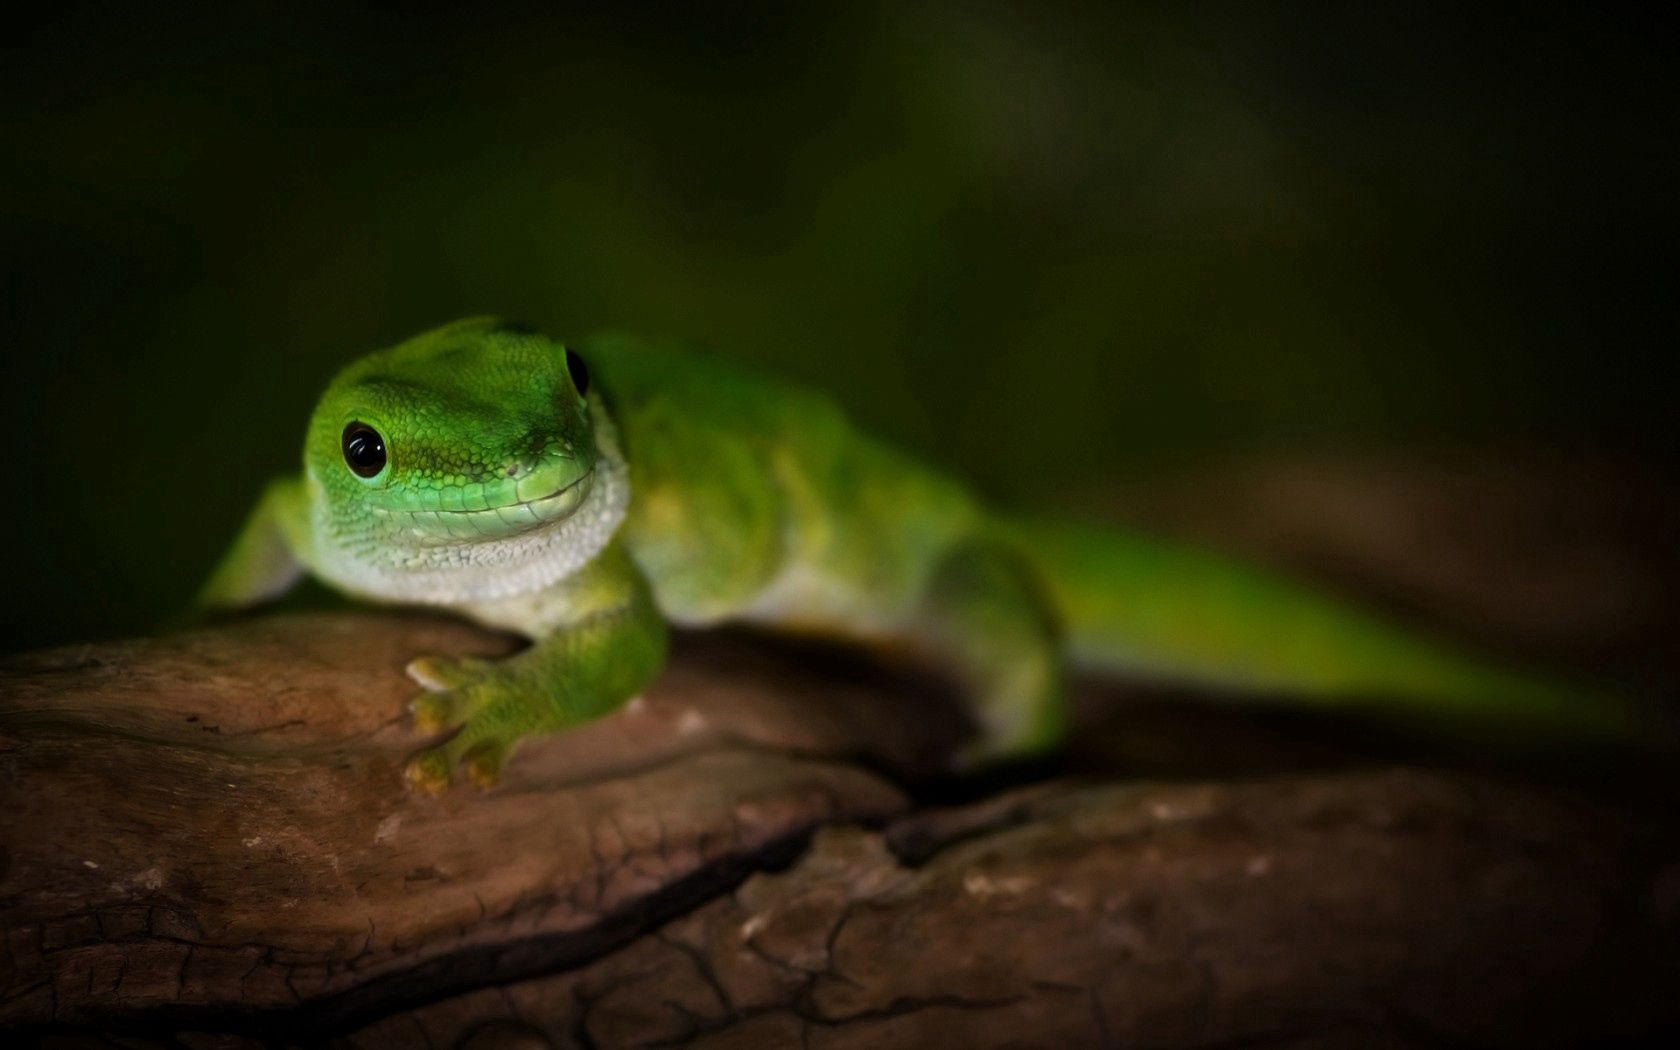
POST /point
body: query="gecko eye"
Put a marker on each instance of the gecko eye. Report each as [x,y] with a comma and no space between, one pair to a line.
[364,450]
[579,371]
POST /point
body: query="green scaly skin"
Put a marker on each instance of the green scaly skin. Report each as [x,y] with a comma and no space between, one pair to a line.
[674,488]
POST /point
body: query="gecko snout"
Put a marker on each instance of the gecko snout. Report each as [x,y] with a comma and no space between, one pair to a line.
[523,464]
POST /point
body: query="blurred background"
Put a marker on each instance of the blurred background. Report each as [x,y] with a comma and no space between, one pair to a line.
[1064,249]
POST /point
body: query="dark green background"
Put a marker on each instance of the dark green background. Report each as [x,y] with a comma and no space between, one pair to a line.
[1049,245]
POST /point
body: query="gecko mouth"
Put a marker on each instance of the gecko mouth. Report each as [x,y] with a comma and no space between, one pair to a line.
[447,527]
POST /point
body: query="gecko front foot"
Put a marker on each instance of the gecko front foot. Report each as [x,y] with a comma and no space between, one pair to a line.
[477,699]
[571,675]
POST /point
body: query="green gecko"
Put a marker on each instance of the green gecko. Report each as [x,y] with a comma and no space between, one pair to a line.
[588,496]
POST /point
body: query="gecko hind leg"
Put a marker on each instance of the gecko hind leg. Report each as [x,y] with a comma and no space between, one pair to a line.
[986,610]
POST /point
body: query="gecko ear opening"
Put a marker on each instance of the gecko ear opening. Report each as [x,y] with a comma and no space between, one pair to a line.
[579,372]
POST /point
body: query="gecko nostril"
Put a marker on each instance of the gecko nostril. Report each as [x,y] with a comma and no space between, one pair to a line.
[513,470]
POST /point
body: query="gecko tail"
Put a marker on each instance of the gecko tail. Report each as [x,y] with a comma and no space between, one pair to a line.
[1137,606]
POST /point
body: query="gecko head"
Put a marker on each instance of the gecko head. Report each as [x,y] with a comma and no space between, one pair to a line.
[471,433]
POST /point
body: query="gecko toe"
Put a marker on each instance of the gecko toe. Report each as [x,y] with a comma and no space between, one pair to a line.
[483,763]
[428,773]
[435,712]
[439,674]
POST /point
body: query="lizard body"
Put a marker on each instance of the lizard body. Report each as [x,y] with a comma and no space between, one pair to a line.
[588,496]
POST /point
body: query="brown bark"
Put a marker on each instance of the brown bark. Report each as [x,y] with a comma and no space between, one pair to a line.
[207,834]
[206,843]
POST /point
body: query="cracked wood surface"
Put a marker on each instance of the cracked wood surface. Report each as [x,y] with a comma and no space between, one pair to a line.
[207,835]
[205,843]
[216,822]
[1382,908]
